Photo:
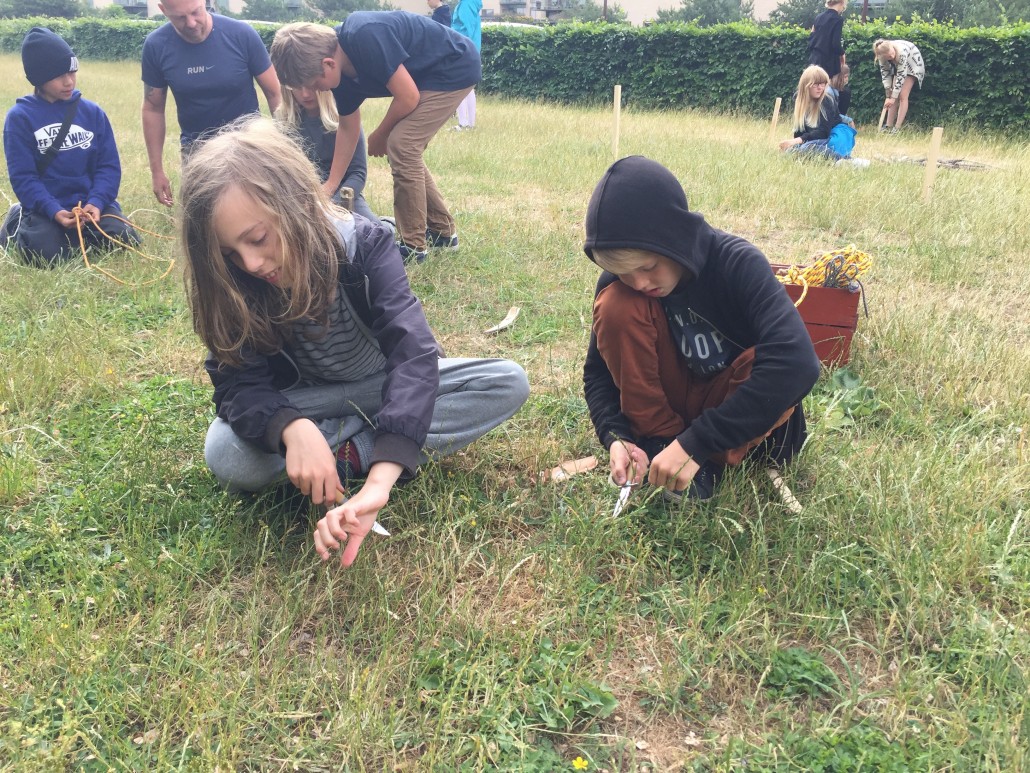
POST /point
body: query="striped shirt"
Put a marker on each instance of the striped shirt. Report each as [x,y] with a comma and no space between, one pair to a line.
[348,352]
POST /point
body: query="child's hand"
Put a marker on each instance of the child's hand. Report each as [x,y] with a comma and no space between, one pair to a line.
[790,143]
[376,143]
[673,468]
[91,211]
[310,462]
[888,102]
[65,219]
[627,463]
[351,521]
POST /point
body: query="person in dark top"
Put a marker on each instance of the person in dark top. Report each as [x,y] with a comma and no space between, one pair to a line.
[825,46]
[815,114]
[427,69]
[697,358]
[441,12]
[323,364]
[210,63]
[312,116]
[75,183]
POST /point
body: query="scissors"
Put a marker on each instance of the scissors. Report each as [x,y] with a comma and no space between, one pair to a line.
[840,272]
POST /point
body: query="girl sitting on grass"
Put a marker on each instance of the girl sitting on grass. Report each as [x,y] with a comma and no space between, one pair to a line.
[312,114]
[323,364]
[815,115]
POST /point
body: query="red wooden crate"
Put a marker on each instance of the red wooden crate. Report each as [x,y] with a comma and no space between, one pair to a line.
[830,315]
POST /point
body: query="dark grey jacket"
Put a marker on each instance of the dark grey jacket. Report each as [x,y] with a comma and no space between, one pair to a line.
[253,400]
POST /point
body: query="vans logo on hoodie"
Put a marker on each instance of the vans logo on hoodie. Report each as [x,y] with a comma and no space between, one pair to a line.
[77,137]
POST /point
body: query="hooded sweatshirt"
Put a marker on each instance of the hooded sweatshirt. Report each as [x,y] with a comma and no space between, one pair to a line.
[86,169]
[728,296]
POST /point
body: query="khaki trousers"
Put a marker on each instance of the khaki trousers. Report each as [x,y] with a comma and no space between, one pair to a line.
[417,202]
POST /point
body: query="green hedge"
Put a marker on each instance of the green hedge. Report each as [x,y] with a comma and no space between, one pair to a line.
[98,39]
[975,76]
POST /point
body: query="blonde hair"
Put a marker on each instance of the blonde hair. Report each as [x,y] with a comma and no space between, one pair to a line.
[835,3]
[290,111]
[298,49]
[881,48]
[620,260]
[232,309]
[840,80]
[806,109]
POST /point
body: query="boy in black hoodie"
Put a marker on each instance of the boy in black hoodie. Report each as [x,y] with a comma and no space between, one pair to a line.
[698,356]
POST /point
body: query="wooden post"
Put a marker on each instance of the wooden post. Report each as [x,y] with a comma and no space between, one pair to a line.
[883,113]
[931,162]
[775,119]
[618,113]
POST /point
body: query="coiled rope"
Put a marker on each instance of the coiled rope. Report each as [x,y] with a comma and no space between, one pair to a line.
[81,218]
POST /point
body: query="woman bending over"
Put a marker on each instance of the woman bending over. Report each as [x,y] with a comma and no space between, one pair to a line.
[901,68]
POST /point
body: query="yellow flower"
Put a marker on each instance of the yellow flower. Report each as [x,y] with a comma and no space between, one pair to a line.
[580,764]
[473,521]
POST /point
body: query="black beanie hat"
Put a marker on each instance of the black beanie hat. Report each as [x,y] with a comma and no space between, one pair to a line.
[45,55]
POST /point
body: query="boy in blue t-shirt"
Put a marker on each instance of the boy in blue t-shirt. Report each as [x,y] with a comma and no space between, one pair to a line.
[427,69]
[83,170]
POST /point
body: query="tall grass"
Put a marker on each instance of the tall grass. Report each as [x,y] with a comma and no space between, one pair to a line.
[149,621]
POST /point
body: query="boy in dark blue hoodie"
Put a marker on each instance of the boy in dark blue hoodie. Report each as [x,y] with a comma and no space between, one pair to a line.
[50,182]
[698,357]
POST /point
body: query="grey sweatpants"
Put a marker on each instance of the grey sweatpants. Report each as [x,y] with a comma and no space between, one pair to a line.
[475,395]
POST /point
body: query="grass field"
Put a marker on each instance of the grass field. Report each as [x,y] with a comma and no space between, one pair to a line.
[150,622]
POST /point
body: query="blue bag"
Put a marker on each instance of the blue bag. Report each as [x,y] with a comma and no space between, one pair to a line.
[842,140]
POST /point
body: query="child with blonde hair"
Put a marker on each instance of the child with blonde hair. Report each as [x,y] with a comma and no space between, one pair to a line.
[324,367]
[424,67]
[313,116]
[698,358]
[815,114]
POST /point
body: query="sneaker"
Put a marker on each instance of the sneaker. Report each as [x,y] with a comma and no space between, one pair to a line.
[438,241]
[409,253]
[702,487]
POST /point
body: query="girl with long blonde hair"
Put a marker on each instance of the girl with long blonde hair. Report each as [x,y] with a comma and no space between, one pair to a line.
[312,116]
[324,368]
[815,114]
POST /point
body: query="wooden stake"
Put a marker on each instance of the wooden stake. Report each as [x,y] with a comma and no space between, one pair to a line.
[931,162]
[775,119]
[618,113]
[883,114]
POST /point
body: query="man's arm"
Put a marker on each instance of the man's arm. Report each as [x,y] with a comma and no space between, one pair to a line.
[269,83]
[405,99]
[346,140]
[153,115]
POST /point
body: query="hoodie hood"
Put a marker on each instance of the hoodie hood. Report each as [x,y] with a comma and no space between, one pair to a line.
[639,204]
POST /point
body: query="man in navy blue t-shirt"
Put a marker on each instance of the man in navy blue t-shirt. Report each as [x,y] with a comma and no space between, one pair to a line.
[427,69]
[210,64]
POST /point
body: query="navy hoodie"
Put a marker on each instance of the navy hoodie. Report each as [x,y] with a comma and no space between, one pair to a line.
[86,170]
[639,204]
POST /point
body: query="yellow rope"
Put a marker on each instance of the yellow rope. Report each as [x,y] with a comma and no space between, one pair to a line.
[831,269]
[81,217]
